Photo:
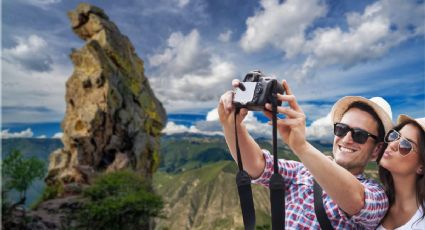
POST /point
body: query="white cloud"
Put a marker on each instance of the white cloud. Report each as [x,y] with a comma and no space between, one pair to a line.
[212,115]
[43,4]
[183,54]
[382,26]
[369,34]
[368,37]
[58,135]
[5,134]
[173,128]
[42,137]
[187,74]
[321,129]
[31,53]
[182,3]
[24,90]
[256,128]
[225,36]
[281,25]
[212,126]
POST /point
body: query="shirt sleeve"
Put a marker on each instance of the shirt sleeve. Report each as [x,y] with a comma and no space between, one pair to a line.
[375,208]
[287,168]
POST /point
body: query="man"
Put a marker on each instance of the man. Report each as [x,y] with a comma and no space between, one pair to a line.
[351,201]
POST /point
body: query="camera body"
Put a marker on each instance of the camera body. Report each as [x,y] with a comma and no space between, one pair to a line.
[256,90]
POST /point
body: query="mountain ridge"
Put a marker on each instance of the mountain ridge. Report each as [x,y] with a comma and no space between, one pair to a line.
[196,179]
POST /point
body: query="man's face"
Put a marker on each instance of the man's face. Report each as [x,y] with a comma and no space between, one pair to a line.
[349,154]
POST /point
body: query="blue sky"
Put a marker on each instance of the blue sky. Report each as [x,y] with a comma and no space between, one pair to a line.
[193,49]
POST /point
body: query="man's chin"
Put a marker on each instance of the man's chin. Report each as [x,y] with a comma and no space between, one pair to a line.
[343,163]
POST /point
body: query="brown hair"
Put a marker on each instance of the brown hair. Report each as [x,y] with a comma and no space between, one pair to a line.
[387,179]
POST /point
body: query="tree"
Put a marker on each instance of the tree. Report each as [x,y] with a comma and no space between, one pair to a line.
[19,173]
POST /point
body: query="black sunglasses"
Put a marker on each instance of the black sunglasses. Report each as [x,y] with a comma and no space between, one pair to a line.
[404,145]
[359,135]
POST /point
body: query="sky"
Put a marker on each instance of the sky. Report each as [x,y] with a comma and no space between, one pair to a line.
[192,50]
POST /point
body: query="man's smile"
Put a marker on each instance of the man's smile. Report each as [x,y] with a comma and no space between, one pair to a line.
[346,149]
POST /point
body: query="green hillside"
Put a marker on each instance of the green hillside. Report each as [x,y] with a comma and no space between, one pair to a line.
[189,151]
[206,198]
[196,179]
[39,147]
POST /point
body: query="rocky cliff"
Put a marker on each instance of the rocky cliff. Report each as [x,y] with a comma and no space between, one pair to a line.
[113,120]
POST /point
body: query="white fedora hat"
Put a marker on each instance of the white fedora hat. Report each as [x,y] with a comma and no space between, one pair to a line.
[378,104]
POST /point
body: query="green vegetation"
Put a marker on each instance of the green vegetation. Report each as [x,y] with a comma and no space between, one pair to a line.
[209,197]
[29,147]
[196,179]
[119,200]
[18,173]
[184,152]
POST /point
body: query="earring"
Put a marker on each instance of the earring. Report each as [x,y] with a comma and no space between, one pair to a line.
[420,170]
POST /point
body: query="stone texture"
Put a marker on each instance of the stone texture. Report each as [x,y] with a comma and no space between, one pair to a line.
[113,120]
[55,214]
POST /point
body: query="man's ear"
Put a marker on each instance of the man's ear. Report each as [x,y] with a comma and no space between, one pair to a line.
[377,150]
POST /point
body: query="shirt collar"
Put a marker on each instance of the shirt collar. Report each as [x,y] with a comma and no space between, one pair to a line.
[361,176]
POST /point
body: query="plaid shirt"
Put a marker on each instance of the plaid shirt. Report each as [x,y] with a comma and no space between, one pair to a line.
[299,201]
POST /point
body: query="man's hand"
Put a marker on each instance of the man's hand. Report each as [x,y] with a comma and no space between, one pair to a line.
[292,127]
[226,108]
[253,160]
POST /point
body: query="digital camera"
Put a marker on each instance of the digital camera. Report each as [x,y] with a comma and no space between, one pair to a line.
[256,90]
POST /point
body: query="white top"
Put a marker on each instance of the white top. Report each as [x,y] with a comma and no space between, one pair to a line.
[413,224]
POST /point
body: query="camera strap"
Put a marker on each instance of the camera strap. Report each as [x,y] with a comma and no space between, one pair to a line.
[243,181]
[320,211]
[276,185]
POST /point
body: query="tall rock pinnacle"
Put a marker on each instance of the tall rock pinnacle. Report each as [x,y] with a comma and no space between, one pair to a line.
[113,120]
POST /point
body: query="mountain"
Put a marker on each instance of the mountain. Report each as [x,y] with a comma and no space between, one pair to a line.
[38,147]
[182,152]
[196,179]
[207,198]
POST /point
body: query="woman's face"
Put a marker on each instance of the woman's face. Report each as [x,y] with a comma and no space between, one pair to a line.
[400,164]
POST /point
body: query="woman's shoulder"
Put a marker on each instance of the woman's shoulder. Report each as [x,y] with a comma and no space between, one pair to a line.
[418,220]
[415,223]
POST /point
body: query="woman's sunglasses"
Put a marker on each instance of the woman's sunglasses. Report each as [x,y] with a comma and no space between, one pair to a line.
[404,145]
[359,135]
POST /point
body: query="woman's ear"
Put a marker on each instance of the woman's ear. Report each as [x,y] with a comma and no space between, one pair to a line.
[420,170]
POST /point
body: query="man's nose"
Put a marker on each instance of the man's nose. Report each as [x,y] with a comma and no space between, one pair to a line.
[348,138]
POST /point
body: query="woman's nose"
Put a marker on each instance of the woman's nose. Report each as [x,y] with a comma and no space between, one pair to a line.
[394,145]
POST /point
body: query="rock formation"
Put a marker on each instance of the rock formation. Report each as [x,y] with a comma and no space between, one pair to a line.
[113,120]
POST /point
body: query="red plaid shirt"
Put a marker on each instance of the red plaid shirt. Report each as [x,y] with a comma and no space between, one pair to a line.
[299,199]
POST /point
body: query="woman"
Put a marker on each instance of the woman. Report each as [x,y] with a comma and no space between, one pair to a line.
[402,172]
